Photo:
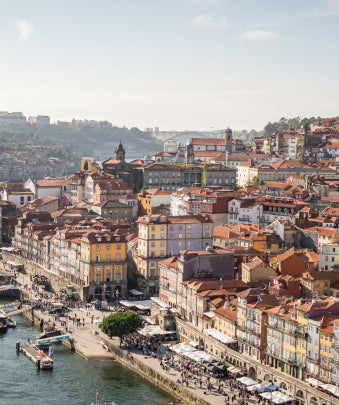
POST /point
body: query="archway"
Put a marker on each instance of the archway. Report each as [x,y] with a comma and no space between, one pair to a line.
[252,373]
[267,377]
[108,294]
[86,166]
[117,292]
[98,293]
[300,399]
[283,386]
[313,401]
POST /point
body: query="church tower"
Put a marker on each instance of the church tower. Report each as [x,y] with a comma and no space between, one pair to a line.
[189,155]
[228,139]
[120,153]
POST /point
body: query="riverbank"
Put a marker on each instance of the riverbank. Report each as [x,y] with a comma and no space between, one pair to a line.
[87,340]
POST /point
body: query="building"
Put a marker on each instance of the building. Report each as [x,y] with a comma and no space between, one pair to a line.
[318,283]
[46,204]
[170,176]
[245,209]
[285,286]
[110,189]
[150,200]
[40,120]
[289,263]
[114,210]
[210,264]
[256,270]
[329,257]
[58,188]
[104,264]
[160,236]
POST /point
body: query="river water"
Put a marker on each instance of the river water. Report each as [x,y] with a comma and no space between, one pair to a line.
[73,380]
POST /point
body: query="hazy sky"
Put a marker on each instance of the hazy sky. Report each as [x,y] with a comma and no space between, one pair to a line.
[176,64]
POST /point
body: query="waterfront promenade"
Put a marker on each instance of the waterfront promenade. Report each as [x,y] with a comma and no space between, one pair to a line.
[87,337]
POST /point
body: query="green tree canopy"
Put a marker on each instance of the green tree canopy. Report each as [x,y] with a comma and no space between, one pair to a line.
[121,323]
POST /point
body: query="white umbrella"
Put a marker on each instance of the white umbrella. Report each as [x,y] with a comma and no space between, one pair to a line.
[247,381]
[314,382]
[331,388]
[256,387]
[276,397]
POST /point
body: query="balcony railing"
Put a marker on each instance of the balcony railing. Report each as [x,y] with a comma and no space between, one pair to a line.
[256,332]
[312,359]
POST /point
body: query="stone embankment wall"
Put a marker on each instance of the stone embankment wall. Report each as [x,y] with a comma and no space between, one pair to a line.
[174,388]
[32,268]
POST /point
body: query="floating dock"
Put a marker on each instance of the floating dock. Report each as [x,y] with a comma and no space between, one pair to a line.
[38,357]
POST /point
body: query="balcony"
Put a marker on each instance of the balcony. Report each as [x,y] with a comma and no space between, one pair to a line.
[326,366]
[249,316]
[312,359]
[335,361]
[256,344]
[256,332]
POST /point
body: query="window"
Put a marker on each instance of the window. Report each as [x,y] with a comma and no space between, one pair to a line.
[118,278]
[108,258]
[117,257]
[108,247]
[98,247]
[98,268]
[22,200]
[98,279]
[117,247]
[98,258]
[180,235]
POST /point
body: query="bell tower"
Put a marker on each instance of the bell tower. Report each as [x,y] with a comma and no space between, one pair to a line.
[120,153]
[228,139]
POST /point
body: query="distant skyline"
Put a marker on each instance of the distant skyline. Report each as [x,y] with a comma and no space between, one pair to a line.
[174,64]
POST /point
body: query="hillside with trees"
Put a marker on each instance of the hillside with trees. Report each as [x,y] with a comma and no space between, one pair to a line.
[285,123]
[68,137]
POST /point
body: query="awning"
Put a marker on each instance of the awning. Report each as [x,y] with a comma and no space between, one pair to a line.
[247,381]
[153,330]
[219,336]
[257,387]
[331,388]
[234,370]
[314,382]
[142,305]
[277,397]
[135,292]
[10,262]
[209,314]
[160,302]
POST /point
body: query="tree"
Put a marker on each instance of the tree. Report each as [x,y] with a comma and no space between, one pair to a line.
[121,324]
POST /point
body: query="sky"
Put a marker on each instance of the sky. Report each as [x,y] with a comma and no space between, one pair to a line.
[174,64]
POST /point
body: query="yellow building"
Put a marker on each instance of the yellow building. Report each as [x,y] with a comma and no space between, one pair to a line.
[318,283]
[267,242]
[326,352]
[152,247]
[225,320]
[104,264]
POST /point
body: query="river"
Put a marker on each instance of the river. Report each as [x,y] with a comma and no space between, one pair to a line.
[73,381]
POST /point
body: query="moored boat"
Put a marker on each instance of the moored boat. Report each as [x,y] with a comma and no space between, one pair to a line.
[11,322]
[3,324]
